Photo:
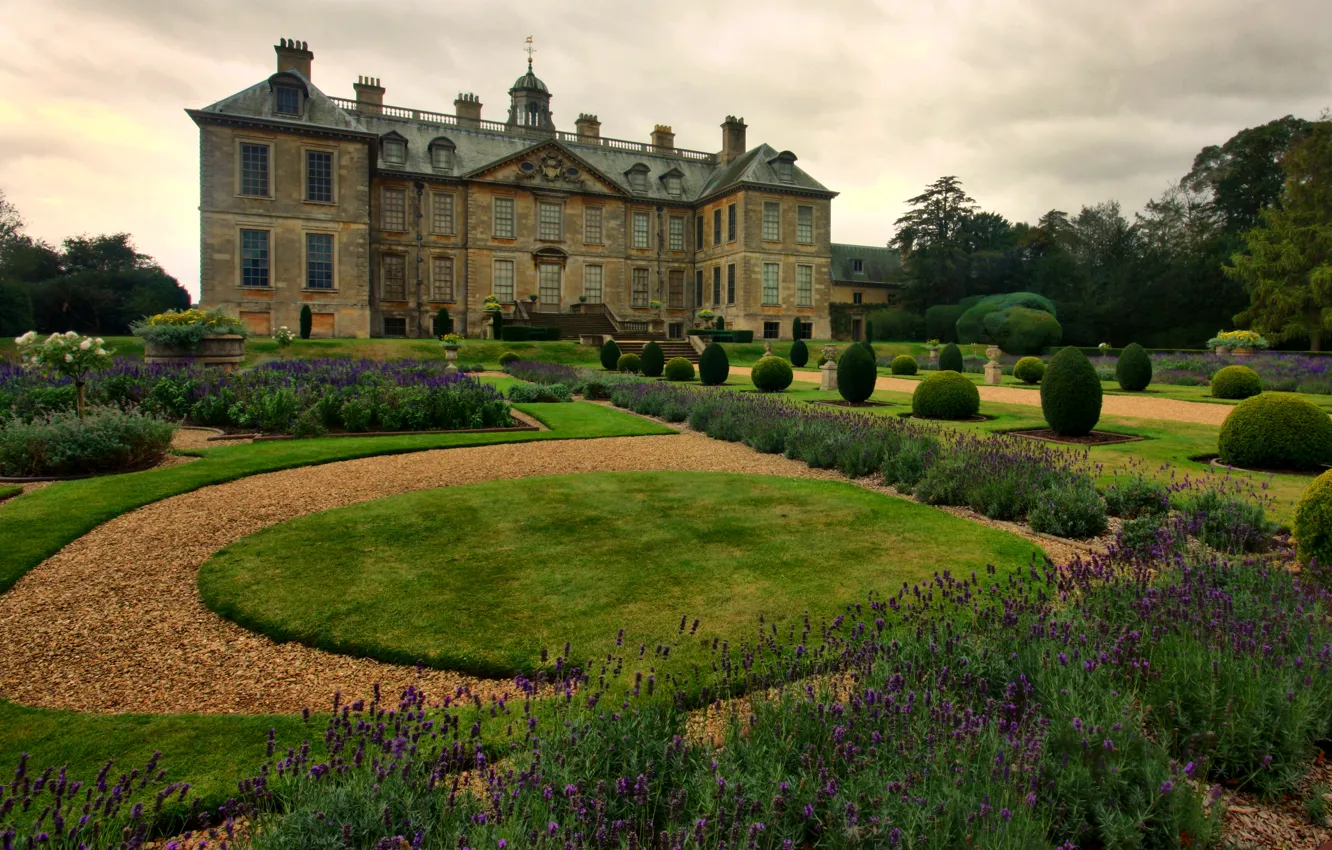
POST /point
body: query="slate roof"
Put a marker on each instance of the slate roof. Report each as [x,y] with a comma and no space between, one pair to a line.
[257,102]
[754,168]
[877,262]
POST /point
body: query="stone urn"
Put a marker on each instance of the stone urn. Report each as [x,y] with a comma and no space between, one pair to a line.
[828,371]
[1220,350]
[451,357]
[994,373]
[934,356]
[225,351]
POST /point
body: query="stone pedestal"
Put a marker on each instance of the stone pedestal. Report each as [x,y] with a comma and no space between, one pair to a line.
[224,351]
[934,356]
[994,373]
[828,376]
[767,348]
[451,355]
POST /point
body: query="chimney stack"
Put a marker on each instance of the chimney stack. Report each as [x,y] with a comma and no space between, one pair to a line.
[467,107]
[663,138]
[369,95]
[733,138]
[588,127]
[293,55]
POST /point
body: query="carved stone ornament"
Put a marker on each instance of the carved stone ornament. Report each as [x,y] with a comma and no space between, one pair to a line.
[552,168]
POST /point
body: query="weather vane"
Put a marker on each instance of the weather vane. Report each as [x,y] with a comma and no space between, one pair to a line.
[529,49]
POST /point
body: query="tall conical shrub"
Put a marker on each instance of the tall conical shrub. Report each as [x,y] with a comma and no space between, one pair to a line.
[714,367]
[443,324]
[307,321]
[951,358]
[869,331]
[652,361]
[1134,369]
[795,328]
[497,322]
[1071,394]
[799,353]
[721,323]
[610,356]
[856,374]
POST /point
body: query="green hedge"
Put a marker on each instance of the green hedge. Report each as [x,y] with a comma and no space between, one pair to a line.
[714,367]
[799,353]
[950,359]
[679,369]
[524,333]
[653,360]
[1276,431]
[1313,523]
[610,355]
[856,373]
[945,395]
[629,363]
[1134,368]
[1021,330]
[904,364]
[1071,394]
[1029,370]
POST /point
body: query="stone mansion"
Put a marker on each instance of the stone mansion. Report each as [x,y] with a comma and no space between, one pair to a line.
[378,216]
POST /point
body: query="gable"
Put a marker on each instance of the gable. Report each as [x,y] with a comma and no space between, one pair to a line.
[550,166]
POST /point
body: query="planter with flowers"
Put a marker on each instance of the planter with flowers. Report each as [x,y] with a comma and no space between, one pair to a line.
[932,346]
[194,336]
[1237,343]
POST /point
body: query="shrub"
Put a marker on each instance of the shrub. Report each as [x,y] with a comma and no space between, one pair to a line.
[1029,370]
[653,360]
[1224,522]
[897,325]
[1135,496]
[443,324]
[629,363]
[1276,431]
[771,374]
[610,355]
[1021,330]
[904,364]
[508,357]
[799,353]
[950,359]
[679,369]
[713,365]
[1313,522]
[856,374]
[307,321]
[497,323]
[539,393]
[721,323]
[1236,382]
[945,395]
[1071,394]
[1134,369]
[1070,507]
[941,319]
[515,333]
[105,440]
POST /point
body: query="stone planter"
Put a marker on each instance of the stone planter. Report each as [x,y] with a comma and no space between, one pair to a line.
[225,351]
[1242,352]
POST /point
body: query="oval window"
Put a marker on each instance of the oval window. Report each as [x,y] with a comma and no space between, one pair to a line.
[527,166]
[571,172]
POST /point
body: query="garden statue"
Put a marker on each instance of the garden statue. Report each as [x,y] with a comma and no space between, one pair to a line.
[767,348]
[994,373]
[828,371]
[933,347]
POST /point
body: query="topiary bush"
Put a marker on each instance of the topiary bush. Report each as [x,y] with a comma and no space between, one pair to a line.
[1134,369]
[945,395]
[679,369]
[1029,370]
[714,367]
[771,374]
[856,374]
[904,364]
[610,355]
[508,357]
[1276,431]
[799,353]
[307,321]
[1071,394]
[654,361]
[1236,382]
[1313,523]
[950,359]
[1022,330]
[629,363]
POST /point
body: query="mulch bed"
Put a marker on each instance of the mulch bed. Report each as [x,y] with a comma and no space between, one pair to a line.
[266,437]
[1213,460]
[857,404]
[1095,438]
[979,417]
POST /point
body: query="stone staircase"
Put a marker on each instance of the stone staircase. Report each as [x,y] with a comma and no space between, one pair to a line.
[671,348]
[574,325]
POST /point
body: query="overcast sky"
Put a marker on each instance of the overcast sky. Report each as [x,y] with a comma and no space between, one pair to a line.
[1034,104]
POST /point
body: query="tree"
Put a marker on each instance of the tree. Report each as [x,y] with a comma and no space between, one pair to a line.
[11,222]
[1288,268]
[928,237]
[1244,176]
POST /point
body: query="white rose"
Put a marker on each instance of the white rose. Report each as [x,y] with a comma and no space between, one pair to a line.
[85,345]
[69,358]
[53,337]
[98,342]
[71,335]
[101,352]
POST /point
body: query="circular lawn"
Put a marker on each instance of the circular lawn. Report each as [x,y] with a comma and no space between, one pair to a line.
[481,578]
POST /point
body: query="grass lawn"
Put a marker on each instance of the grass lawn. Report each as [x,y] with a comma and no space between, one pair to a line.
[443,577]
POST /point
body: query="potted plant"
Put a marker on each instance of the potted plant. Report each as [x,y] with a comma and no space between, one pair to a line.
[1104,348]
[1238,343]
[491,304]
[932,346]
[207,337]
[655,305]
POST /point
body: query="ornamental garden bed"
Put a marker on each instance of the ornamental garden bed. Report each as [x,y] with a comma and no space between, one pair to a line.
[856,404]
[979,417]
[1214,460]
[257,437]
[1095,438]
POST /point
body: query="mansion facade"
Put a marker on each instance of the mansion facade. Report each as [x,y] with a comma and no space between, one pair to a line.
[377,216]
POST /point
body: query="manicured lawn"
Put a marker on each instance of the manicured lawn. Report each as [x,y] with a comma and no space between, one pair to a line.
[481,578]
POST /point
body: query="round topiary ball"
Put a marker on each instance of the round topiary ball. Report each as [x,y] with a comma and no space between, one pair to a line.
[771,374]
[629,363]
[508,357]
[654,360]
[950,359]
[610,355]
[1134,369]
[1276,431]
[904,364]
[1029,370]
[713,365]
[679,369]
[1313,522]
[945,395]
[856,374]
[1236,382]
[1071,394]
[799,353]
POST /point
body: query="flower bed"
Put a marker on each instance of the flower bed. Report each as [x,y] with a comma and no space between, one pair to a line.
[1279,372]
[64,444]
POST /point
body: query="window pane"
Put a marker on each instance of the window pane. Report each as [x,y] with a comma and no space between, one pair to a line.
[806,330]
[504,218]
[441,221]
[503,284]
[395,151]
[319,260]
[772,330]
[592,225]
[676,233]
[288,100]
[716,285]
[394,216]
[548,285]
[698,288]
[772,222]
[441,279]
[673,186]
[675,288]
[395,277]
[698,235]
[254,170]
[550,223]
[771,276]
[254,258]
[730,284]
[641,233]
[442,156]
[730,223]
[592,283]
[716,227]
[395,326]
[805,226]
[319,176]
[804,286]
[638,297]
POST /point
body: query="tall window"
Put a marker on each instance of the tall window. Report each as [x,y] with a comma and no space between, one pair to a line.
[698,288]
[441,279]
[716,226]
[441,157]
[319,176]
[592,226]
[592,277]
[642,235]
[716,285]
[550,222]
[638,294]
[805,225]
[394,216]
[772,222]
[730,283]
[771,283]
[288,100]
[504,218]
[254,170]
[698,232]
[857,298]
[441,214]
[675,289]
[319,260]
[254,257]
[503,283]
[395,277]
[730,222]
[804,286]
[675,233]
[548,284]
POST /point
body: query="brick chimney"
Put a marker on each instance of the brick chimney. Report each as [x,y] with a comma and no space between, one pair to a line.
[588,127]
[733,138]
[369,95]
[467,107]
[293,55]
[663,138]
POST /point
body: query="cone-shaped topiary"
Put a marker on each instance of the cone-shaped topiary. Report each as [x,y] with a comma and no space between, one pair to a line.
[1236,382]
[679,369]
[795,328]
[904,364]
[868,346]
[945,395]
[629,363]
[950,359]
[721,323]
[1029,370]
[654,361]
[856,374]
[1071,394]
[1313,523]
[443,324]
[1134,369]
[610,355]
[799,353]
[869,331]
[497,323]
[307,321]
[713,365]
[1276,431]
[771,374]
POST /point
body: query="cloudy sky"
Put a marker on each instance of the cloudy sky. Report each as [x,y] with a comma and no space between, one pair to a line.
[1035,104]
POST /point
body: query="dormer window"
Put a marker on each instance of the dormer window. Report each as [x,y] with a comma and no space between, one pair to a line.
[674,183]
[394,149]
[441,154]
[784,164]
[857,265]
[287,100]
[638,178]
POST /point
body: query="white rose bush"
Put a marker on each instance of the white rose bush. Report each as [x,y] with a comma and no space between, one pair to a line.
[69,355]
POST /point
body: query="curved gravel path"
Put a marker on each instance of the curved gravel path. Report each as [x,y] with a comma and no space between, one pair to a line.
[114,623]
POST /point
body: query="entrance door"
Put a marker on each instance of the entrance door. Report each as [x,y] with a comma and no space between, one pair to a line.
[857,329]
[548,286]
